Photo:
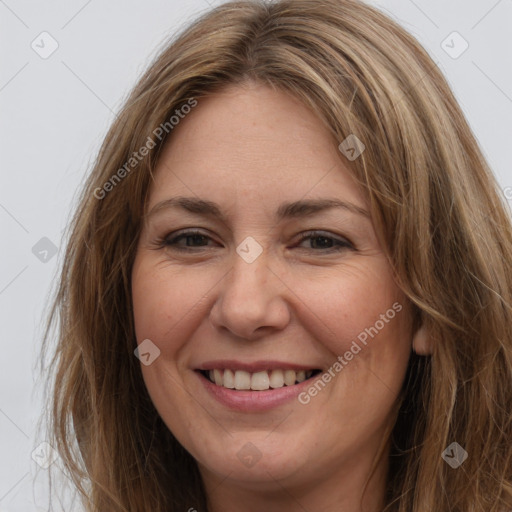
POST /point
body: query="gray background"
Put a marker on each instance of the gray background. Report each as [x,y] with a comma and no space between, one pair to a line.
[55,112]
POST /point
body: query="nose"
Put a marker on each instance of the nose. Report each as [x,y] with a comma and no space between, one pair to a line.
[251,302]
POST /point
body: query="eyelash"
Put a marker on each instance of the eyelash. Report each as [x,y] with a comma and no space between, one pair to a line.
[171,242]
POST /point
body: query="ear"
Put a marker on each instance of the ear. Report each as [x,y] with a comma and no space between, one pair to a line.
[421,342]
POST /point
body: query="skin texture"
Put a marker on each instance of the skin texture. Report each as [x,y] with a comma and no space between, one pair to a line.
[248,149]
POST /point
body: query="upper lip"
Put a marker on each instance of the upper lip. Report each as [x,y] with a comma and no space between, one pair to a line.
[254,366]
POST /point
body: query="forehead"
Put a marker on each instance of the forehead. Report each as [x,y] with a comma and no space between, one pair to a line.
[252,143]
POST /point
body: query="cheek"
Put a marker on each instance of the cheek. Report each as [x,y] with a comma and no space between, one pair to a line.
[163,299]
[349,303]
[360,315]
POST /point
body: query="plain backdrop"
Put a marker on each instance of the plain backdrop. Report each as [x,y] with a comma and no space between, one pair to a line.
[56,110]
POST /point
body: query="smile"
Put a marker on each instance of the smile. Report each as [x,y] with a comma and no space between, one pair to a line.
[242,380]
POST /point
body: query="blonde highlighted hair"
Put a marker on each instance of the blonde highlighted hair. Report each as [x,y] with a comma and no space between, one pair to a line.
[436,207]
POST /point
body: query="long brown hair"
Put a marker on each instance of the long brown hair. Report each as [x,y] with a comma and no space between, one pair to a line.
[436,207]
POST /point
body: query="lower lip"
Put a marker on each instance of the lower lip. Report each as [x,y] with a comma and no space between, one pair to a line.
[253,401]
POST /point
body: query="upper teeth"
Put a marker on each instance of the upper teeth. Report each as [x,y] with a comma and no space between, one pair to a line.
[259,381]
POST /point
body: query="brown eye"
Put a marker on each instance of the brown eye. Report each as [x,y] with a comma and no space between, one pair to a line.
[192,239]
[320,240]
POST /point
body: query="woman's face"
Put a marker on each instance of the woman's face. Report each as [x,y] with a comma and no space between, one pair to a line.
[257,301]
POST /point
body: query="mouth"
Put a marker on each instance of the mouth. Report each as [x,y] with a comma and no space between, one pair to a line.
[242,380]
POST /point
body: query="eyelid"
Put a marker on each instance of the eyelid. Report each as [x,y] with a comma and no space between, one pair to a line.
[340,243]
[165,241]
[316,233]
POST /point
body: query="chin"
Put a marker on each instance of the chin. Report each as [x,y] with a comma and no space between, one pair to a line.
[257,461]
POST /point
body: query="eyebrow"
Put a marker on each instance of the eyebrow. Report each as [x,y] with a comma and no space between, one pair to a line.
[289,210]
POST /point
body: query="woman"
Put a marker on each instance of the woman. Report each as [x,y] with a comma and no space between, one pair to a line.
[288,283]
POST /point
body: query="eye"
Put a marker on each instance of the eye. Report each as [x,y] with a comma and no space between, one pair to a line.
[189,240]
[192,238]
[320,240]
